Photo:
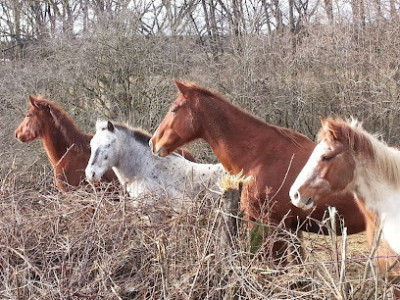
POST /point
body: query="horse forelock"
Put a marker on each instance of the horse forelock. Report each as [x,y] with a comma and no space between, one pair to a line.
[349,133]
[361,142]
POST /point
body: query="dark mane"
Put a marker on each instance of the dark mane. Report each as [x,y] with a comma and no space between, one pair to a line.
[71,133]
[138,134]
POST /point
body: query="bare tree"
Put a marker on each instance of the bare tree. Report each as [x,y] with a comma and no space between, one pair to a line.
[329,10]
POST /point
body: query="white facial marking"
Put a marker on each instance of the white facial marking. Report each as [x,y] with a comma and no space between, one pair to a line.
[305,175]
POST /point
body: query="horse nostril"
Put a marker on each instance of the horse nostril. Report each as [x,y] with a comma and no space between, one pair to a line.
[296,196]
[93,173]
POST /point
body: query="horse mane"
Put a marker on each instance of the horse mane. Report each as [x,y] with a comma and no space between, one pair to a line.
[138,134]
[62,121]
[292,135]
[194,87]
[351,134]
[143,137]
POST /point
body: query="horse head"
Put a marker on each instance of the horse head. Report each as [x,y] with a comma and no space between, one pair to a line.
[103,151]
[330,168]
[34,123]
[178,126]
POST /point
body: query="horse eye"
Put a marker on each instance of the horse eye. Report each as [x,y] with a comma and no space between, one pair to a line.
[105,157]
[174,109]
[326,158]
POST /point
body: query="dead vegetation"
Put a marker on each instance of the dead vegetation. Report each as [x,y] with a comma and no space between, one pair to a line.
[86,245]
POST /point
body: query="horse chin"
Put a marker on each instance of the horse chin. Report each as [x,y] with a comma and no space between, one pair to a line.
[308,204]
[163,152]
[24,139]
[93,180]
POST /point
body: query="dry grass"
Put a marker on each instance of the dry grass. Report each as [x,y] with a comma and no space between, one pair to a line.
[87,245]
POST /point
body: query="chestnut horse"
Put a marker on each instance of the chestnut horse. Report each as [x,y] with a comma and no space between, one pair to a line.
[272,155]
[66,146]
[349,158]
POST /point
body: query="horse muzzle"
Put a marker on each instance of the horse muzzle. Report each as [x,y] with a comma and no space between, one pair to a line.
[20,137]
[301,202]
[17,135]
[156,151]
[91,176]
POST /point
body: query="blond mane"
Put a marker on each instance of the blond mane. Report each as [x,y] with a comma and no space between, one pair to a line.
[364,145]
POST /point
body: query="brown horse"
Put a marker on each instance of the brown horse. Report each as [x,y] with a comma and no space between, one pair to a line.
[66,146]
[349,158]
[272,155]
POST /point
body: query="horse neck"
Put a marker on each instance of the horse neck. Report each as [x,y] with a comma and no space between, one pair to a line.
[238,138]
[383,200]
[56,145]
[380,196]
[374,185]
[134,158]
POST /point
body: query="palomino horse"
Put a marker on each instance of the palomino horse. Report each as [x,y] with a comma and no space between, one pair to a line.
[272,155]
[349,158]
[66,146]
[126,150]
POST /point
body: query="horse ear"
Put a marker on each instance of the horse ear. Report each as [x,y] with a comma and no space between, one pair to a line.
[38,102]
[110,126]
[183,89]
[33,101]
